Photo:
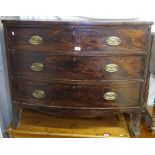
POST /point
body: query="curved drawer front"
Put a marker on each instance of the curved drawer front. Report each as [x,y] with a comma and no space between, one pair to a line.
[41,39]
[79,39]
[112,39]
[106,95]
[77,67]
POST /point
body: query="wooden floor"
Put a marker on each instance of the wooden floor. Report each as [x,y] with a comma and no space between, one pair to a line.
[145,131]
[38,125]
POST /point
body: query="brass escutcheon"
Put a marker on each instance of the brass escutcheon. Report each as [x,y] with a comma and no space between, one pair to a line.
[35,40]
[110,96]
[37,66]
[113,41]
[38,94]
[111,68]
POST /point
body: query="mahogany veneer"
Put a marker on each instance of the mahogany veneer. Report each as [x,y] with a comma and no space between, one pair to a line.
[79,68]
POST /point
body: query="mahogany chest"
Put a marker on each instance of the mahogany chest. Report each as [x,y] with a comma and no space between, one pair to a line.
[79,68]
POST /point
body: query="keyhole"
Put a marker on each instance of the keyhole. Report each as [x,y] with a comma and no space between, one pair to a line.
[77,48]
[74,58]
[73,87]
[13,33]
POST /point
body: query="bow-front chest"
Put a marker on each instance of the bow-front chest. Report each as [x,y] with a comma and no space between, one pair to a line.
[79,68]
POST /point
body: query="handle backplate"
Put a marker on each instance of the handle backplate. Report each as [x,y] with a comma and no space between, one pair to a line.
[113,41]
[38,94]
[37,66]
[111,68]
[110,96]
[35,40]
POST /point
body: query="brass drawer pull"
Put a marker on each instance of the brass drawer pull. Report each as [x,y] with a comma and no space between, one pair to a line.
[113,41]
[110,96]
[111,68]
[37,66]
[35,40]
[38,94]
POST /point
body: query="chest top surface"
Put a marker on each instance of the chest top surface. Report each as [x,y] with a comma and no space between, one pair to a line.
[78,21]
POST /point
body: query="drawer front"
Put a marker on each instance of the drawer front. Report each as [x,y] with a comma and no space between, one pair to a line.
[82,39]
[41,39]
[106,95]
[77,67]
[112,39]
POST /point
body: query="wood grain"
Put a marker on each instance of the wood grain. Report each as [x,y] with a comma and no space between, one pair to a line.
[65,38]
[54,39]
[76,95]
[37,125]
[94,38]
[77,67]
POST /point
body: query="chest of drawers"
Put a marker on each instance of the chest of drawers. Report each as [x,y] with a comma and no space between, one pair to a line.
[79,68]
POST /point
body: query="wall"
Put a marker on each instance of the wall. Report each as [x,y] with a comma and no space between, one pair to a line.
[5,104]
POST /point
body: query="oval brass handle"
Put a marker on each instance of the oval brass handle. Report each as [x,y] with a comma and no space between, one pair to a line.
[37,66]
[111,68]
[38,94]
[113,41]
[110,96]
[35,40]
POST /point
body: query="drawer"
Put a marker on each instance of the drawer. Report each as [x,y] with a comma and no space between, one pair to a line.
[109,38]
[86,39]
[41,39]
[105,95]
[77,67]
